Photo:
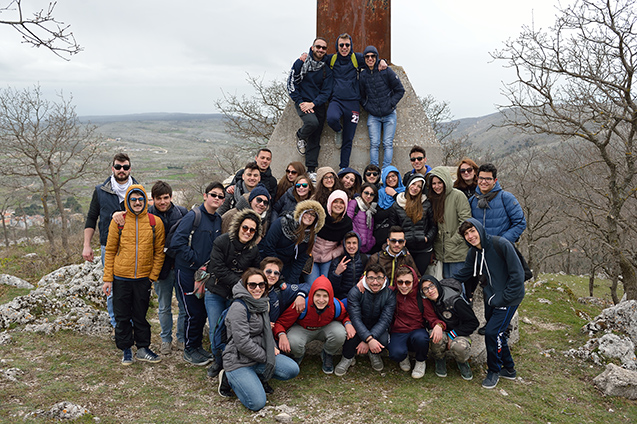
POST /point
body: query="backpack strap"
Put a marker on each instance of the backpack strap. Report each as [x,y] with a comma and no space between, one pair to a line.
[304,313]
[195,225]
[151,220]
[337,308]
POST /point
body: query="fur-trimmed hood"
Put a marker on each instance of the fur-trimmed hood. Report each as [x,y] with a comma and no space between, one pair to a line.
[235,226]
[314,206]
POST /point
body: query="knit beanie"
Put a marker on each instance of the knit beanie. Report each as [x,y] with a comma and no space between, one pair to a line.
[259,190]
[336,194]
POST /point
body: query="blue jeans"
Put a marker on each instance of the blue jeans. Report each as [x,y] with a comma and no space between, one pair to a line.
[387,124]
[400,344]
[495,339]
[450,268]
[164,289]
[247,386]
[317,270]
[109,298]
[215,305]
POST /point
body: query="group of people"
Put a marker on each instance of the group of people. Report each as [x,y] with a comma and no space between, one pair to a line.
[364,262]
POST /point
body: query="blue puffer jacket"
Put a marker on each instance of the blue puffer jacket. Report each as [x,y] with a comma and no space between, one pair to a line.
[346,85]
[503,217]
[505,278]
[287,203]
[380,90]
[192,257]
[316,86]
[169,218]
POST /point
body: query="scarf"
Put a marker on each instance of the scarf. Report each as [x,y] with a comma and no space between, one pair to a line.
[369,210]
[310,65]
[120,189]
[262,308]
[289,226]
[484,199]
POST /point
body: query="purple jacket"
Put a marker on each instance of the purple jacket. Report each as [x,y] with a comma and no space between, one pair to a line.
[359,223]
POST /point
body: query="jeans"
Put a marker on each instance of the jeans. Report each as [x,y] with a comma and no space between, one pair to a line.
[164,289]
[400,344]
[109,298]
[450,268]
[247,386]
[387,124]
[318,269]
[495,339]
[215,305]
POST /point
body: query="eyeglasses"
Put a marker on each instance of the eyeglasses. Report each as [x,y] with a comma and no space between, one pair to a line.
[415,158]
[319,47]
[404,282]
[393,240]
[487,179]
[271,271]
[215,195]
[260,200]
[328,177]
[378,279]
[371,174]
[248,229]
[368,193]
[253,286]
[344,45]
[370,56]
[291,171]
[136,199]
[466,170]
[428,288]
[118,166]
[304,185]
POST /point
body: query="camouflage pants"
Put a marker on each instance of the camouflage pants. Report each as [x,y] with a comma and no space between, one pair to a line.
[459,348]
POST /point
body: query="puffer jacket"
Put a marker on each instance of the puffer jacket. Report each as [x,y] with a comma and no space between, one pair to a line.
[415,232]
[359,224]
[371,313]
[380,90]
[449,245]
[230,258]
[286,203]
[138,251]
[244,204]
[503,217]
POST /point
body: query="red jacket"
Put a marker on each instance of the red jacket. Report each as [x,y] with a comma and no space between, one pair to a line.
[312,320]
[407,316]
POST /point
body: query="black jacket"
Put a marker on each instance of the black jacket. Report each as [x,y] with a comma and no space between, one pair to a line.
[415,232]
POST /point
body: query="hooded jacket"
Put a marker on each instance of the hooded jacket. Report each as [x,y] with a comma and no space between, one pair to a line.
[168,218]
[355,267]
[385,200]
[138,250]
[346,85]
[380,90]
[371,313]
[503,216]
[449,245]
[230,257]
[192,257]
[408,316]
[314,318]
[357,177]
[244,204]
[504,278]
[316,86]
[360,224]
[458,316]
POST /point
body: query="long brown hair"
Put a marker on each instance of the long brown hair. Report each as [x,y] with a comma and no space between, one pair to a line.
[300,231]
[413,205]
[310,187]
[460,183]
[437,200]
[284,184]
[322,193]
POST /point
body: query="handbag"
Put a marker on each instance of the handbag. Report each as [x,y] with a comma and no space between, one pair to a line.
[201,278]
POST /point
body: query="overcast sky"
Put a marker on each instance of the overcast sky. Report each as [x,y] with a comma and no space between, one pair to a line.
[166,56]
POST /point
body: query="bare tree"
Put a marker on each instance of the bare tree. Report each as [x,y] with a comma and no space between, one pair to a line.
[46,142]
[254,118]
[440,118]
[575,81]
[41,29]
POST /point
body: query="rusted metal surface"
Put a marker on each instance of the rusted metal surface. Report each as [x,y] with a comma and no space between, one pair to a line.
[367,21]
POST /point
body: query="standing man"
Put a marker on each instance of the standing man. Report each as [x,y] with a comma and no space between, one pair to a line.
[263,160]
[108,198]
[310,85]
[193,240]
[499,211]
[496,264]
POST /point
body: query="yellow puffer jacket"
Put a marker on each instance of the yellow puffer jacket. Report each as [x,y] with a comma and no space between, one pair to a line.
[134,252]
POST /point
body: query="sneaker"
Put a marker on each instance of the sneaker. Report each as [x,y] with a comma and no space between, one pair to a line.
[192,356]
[482,330]
[490,381]
[224,388]
[312,176]
[328,362]
[465,370]
[377,361]
[508,374]
[146,355]
[127,359]
[338,139]
[300,145]
[180,345]
[419,369]
[214,369]
[165,348]
[204,352]
[441,368]
[343,366]
[405,365]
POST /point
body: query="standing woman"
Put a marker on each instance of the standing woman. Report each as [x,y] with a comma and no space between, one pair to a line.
[467,177]
[326,183]
[391,186]
[302,189]
[412,211]
[450,209]
[361,210]
[292,172]
[351,182]
[251,356]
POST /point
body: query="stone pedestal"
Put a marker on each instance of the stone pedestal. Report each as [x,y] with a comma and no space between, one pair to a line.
[413,128]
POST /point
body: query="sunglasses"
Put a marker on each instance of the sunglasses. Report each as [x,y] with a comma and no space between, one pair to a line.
[370,56]
[368,193]
[344,45]
[271,271]
[304,185]
[136,199]
[291,171]
[371,174]
[215,195]
[393,240]
[260,200]
[253,286]
[248,229]
[118,166]
[404,282]
[414,159]
[466,170]
[319,47]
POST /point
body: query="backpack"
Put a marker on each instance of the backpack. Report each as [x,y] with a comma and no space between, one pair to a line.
[220,338]
[352,56]
[528,274]
[172,253]
[337,309]
[452,289]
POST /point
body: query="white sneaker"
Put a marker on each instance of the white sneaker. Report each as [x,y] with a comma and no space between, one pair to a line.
[343,366]
[419,369]
[405,364]
[312,176]
[301,146]
[377,361]
[338,139]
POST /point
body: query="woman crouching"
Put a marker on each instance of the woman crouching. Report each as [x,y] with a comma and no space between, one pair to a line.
[251,355]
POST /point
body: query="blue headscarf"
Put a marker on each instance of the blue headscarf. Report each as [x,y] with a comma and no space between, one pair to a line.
[385,200]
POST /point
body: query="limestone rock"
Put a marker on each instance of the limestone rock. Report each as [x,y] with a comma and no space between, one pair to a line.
[616,381]
[622,348]
[10,280]
[621,317]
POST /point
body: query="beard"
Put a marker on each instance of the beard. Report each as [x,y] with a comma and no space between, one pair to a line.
[120,179]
